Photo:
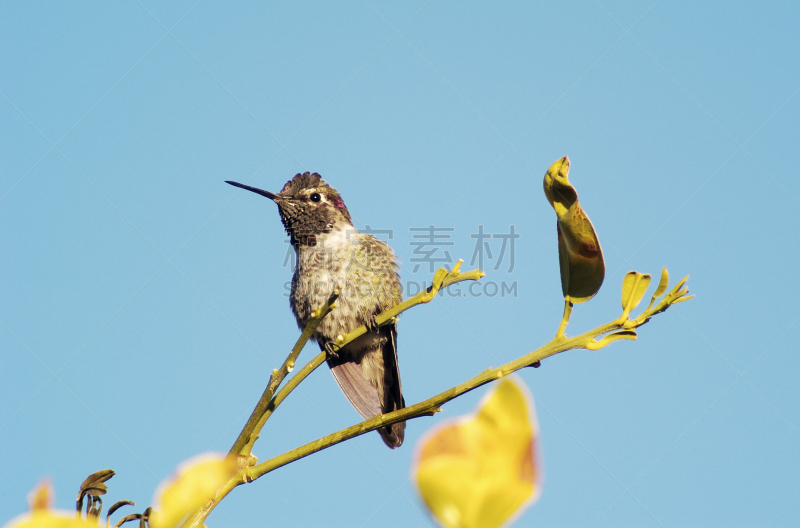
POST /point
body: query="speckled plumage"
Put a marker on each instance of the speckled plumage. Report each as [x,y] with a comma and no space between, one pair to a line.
[331,252]
[360,264]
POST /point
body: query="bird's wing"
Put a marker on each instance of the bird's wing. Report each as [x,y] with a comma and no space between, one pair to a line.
[361,393]
[394,396]
[383,393]
[393,392]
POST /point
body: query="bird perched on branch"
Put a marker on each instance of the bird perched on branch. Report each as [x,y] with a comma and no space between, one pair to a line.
[332,253]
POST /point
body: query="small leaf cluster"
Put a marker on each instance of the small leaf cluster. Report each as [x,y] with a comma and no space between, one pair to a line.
[93,488]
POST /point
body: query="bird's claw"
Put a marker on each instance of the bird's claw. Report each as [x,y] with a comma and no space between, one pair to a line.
[330,351]
[372,324]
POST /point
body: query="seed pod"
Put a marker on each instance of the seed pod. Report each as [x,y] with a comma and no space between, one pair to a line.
[579,254]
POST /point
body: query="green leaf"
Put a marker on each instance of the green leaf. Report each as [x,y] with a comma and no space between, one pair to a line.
[634,286]
[94,486]
[128,518]
[616,336]
[116,506]
[680,284]
[98,476]
[662,284]
[662,287]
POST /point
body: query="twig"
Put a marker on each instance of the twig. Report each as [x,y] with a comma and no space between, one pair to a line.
[441,279]
[244,442]
[621,328]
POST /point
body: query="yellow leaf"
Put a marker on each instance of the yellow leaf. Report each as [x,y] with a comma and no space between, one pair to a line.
[662,284]
[41,497]
[482,470]
[634,286]
[195,483]
[579,254]
[49,519]
[41,516]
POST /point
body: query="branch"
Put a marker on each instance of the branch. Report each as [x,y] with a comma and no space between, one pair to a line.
[268,402]
[623,328]
[441,279]
[266,407]
[244,443]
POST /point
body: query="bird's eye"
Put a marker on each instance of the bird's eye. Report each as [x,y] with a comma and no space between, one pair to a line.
[316,197]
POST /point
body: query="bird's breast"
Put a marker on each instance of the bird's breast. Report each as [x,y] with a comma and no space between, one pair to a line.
[361,266]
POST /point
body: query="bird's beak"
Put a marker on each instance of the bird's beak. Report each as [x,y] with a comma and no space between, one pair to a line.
[268,194]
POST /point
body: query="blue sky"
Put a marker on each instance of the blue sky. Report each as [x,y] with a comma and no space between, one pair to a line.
[143,299]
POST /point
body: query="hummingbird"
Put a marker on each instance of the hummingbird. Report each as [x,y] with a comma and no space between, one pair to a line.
[331,252]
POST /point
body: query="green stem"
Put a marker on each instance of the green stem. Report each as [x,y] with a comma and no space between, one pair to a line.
[441,279]
[251,471]
[431,406]
[244,442]
[428,407]
[269,401]
[302,374]
[565,319]
[243,445]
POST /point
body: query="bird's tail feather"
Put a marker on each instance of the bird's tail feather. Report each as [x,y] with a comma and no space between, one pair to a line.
[365,396]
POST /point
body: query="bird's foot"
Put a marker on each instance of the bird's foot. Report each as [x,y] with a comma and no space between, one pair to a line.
[372,324]
[331,351]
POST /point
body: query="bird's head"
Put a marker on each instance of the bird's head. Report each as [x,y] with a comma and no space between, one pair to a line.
[308,207]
